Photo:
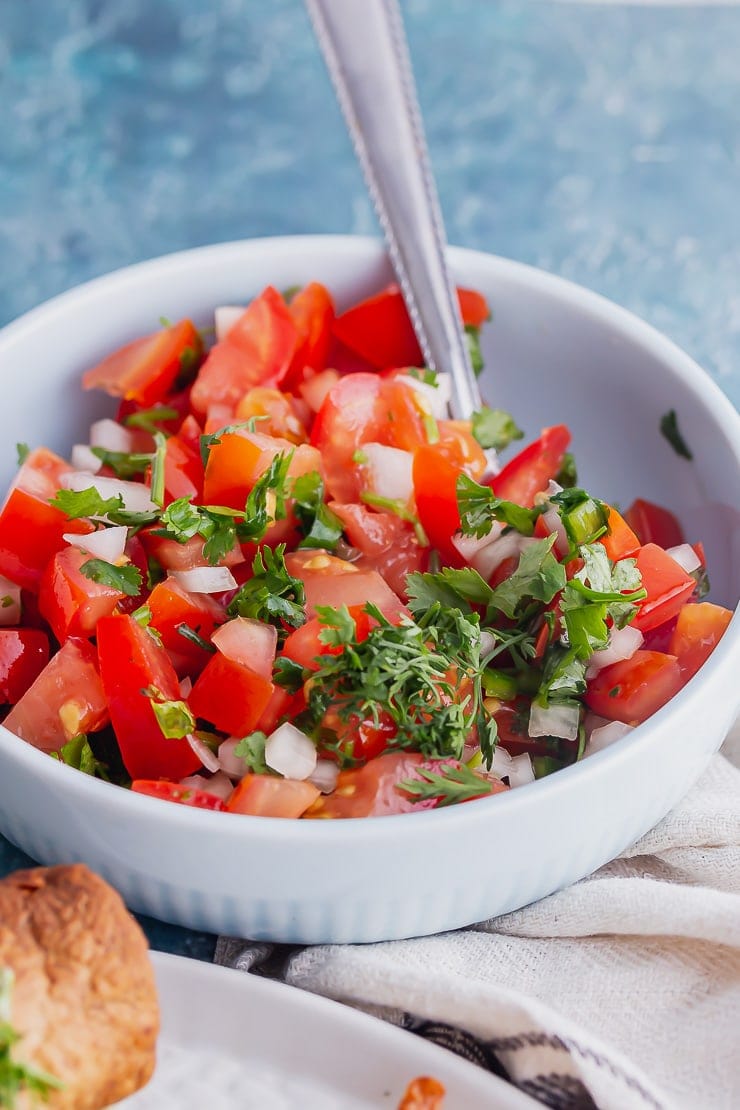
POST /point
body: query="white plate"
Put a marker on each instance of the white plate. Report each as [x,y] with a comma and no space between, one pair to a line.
[233,1041]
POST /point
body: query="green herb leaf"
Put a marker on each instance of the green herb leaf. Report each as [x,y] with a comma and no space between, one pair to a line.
[272,594]
[567,476]
[479,508]
[289,674]
[399,509]
[23,451]
[174,718]
[472,337]
[190,634]
[89,503]
[123,464]
[158,465]
[495,428]
[270,488]
[539,576]
[252,750]
[126,578]
[78,753]
[451,784]
[423,374]
[339,628]
[321,527]
[669,428]
[149,419]
[452,588]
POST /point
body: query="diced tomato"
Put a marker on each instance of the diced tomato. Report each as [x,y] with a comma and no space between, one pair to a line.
[269,796]
[41,473]
[281,706]
[183,470]
[529,472]
[668,587]
[238,459]
[172,555]
[276,413]
[24,652]
[359,739]
[698,630]
[388,544]
[370,791]
[66,699]
[458,444]
[331,581]
[620,541]
[229,695]
[72,603]
[131,661]
[144,371]
[174,792]
[249,642]
[654,524]
[403,415]
[379,328]
[634,689]
[257,350]
[314,390]
[31,532]
[352,414]
[435,492]
[304,645]
[172,607]
[423,1093]
[312,311]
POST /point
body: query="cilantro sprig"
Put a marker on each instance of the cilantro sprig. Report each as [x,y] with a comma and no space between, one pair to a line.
[272,594]
[126,578]
[452,783]
[495,428]
[320,526]
[480,509]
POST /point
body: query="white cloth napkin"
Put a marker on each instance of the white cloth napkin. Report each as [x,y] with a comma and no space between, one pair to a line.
[621,992]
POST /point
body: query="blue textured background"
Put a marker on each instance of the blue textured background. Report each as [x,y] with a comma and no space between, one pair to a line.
[599,142]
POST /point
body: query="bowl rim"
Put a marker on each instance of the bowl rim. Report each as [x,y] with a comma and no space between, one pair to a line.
[371,250]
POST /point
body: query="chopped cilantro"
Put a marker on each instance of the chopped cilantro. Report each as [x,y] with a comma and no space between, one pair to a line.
[472,337]
[539,576]
[479,508]
[495,428]
[399,509]
[78,753]
[271,594]
[288,674]
[89,503]
[190,634]
[149,419]
[669,428]
[174,717]
[452,783]
[23,451]
[158,465]
[124,464]
[567,476]
[126,578]
[423,374]
[252,750]
[320,526]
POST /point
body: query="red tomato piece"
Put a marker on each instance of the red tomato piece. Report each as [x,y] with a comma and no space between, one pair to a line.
[303,645]
[144,371]
[66,699]
[72,603]
[668,587]
[380,331]
[529,472]
[334,582]
[388,544]
[698,630]
[183,470]
[131,661]
[276,412]
[257,350]
[634,689]
[620,541]
[269,796]
[281,706]
[435,492]
[370,791]
[360,739]
[229,695]
[31,532]
[458,444]
[24,652]
[423,1093]
[174,792]
[171,607]
[352,414]
[312,312]
[654,524]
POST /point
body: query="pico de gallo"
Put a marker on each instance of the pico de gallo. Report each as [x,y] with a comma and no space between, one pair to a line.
[281,581]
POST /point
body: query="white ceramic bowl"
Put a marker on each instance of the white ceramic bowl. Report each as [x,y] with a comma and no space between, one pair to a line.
[554,353]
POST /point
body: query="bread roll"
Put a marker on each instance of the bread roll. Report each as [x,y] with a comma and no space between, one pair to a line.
[84,1000]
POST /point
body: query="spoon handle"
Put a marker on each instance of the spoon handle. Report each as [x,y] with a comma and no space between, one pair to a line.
[365,50]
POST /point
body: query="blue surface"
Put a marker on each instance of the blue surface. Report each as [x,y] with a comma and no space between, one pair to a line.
[601,143]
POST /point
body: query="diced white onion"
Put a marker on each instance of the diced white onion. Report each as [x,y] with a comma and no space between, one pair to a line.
[501,762]
[249,642]
[225,316]
[389,471]
[219,784]
[106,543]
[605,735]
[436,398]
[233,765]
[111,435]
[490,558]
[83,458]
[206,580]
[204,753]
[555,720]
[553,523]
[10,602]
[685,556]
[493,464]
[325,775]
[290,752]
[468,546]
[186,685]
[314,391]
[488,642]
[623,643]
[135,495]
[521,771]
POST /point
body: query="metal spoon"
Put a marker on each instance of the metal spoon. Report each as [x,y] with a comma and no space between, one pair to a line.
[365,50]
